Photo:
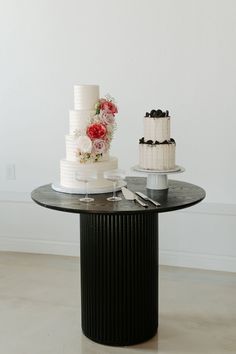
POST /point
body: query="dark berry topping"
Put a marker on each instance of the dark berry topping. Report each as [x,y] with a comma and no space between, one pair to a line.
[141,141]
[150,142]
[157,113]
[152,113]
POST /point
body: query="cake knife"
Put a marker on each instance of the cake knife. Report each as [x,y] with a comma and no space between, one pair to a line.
[131,196]
[145,197]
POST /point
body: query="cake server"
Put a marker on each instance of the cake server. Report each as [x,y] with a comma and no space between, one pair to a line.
[131,196]
[145,197]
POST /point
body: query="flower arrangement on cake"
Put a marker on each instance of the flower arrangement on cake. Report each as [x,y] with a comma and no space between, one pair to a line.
[94,142]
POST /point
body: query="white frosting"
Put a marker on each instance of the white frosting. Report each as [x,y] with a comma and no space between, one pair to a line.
[85,96]
[79,120]
[157,129]
[157,156]
[69,168]
[71,148]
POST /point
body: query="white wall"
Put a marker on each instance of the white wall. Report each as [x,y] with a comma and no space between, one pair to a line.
[176,55]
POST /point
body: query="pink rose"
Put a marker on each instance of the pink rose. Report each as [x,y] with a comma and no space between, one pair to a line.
[99,146]
[108,106]
[106,117]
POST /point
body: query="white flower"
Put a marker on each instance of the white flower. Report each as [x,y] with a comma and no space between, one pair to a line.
[84,143]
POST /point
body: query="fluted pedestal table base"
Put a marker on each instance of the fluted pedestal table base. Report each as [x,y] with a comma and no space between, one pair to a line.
[119,277]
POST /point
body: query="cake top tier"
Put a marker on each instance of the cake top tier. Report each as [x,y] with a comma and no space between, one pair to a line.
[85,96]
[157,113]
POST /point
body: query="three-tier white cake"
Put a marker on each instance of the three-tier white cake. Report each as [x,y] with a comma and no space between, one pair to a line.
[91,126]
[157,148]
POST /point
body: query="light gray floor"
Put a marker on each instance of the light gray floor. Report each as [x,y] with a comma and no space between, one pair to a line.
[40,309]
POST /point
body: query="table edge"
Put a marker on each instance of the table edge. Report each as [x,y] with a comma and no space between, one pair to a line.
[124,212]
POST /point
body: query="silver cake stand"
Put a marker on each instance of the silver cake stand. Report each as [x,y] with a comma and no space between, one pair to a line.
[157,179]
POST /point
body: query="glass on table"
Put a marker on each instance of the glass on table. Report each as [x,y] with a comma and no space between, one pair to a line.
[86,177]
[115,176]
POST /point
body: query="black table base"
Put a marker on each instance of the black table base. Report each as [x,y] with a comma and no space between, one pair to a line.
[119,277]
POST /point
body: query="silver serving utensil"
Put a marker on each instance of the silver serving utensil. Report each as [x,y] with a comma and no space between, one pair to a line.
[145,197]
[131,196]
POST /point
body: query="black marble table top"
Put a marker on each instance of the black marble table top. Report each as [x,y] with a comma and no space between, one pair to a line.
[179,195]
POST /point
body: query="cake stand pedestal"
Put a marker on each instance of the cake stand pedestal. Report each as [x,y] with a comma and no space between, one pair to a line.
[158,180]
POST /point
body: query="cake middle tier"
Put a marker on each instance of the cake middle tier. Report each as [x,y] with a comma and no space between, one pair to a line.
[68,170]
[157,128]
[157,156]
[79,120]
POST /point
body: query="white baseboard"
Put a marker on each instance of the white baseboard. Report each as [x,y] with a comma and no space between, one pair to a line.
[202,236]
[197,260]
[166,257]
[39,246]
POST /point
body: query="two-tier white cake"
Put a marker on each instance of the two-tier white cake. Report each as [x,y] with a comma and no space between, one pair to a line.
[91,126]
[157,148]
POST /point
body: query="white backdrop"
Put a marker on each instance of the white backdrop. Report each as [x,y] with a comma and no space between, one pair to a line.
[175,55]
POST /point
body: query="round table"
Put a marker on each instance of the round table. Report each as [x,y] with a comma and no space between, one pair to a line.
[119,258]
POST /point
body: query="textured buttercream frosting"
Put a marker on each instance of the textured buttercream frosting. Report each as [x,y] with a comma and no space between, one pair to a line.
[157,156]
[70,168]
[79,120]
[157,128]
[85,96]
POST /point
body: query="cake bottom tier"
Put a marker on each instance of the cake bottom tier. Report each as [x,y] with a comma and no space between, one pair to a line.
[157,156]
[68,170]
